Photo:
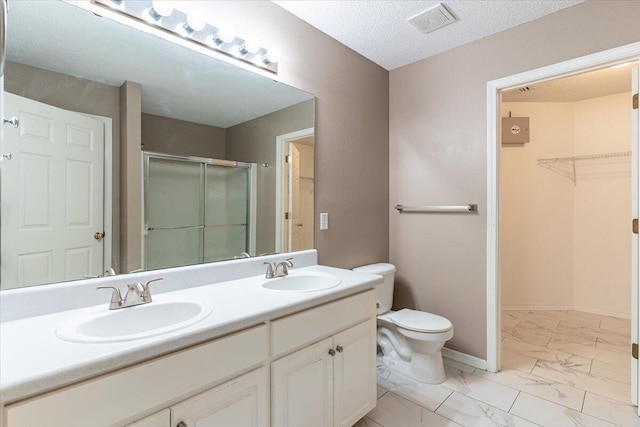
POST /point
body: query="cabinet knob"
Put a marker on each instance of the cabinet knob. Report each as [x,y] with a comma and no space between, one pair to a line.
[332,352]
[339,349]
[181,424]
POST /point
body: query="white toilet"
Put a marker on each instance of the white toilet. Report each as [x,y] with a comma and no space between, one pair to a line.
[411,340]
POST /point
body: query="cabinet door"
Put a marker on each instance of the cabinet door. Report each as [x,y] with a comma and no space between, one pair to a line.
[302,388]
[354,373]
[241,402]
[159,419]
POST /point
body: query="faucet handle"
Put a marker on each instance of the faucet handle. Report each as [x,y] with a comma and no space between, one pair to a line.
[269,273]
[135,287]
[146,293]
[116,297]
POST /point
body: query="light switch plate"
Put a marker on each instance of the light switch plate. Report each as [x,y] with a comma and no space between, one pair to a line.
[324,221]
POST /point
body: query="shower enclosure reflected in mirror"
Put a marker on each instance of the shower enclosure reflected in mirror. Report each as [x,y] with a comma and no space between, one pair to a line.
[100,105]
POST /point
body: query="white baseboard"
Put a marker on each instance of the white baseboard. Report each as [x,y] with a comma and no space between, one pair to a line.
[467,359]
[564,307]
[603,312]
[536,307]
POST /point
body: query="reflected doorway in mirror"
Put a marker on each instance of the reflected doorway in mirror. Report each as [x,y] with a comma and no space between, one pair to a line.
[295,191]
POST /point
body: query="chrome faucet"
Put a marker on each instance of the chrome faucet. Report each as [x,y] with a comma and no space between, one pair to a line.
[137,294]
[279,269]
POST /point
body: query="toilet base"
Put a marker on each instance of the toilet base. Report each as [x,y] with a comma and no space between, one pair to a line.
[426,368]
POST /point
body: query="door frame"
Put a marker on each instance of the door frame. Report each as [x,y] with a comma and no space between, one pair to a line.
[281,203]
[107,179]
[603,59]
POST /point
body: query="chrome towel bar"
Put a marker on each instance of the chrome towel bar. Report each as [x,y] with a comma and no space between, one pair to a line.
[438,209]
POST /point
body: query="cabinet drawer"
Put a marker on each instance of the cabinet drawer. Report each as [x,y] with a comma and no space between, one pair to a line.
[120,396]
[292,332]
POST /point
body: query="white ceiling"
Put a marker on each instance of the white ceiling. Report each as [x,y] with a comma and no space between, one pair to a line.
[176,82]
[379,30]
[594,84]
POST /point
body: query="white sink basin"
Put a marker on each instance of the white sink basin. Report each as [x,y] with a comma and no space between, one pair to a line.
[302,282]
[133,323]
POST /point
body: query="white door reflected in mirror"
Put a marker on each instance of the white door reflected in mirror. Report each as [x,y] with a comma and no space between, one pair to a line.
[53,208]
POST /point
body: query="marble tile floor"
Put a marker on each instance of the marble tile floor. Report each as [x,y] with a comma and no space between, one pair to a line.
[554,373]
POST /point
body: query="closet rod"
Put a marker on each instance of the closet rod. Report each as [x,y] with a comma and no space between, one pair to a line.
[437,209]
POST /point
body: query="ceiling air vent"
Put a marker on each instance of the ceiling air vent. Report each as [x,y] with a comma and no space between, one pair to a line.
[433,18]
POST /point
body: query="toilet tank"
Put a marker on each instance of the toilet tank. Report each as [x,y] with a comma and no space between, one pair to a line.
[384,292]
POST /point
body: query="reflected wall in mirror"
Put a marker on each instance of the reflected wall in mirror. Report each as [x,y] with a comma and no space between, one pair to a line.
[226,154]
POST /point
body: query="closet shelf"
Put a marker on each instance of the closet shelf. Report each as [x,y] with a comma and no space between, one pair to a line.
[572,160]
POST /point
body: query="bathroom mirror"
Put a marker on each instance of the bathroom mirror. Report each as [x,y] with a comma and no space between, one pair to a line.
[124,134]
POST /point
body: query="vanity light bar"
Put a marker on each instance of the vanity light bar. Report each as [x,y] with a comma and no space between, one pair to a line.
[194,28]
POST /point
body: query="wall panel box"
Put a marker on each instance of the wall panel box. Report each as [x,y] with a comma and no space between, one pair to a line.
[515,130]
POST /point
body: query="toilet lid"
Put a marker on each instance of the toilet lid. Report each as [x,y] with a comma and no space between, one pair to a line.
[420,321]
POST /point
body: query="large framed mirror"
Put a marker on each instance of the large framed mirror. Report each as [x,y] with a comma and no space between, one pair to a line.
[132,152]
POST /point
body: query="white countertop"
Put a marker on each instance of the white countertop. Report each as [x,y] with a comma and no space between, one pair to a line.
[34,360]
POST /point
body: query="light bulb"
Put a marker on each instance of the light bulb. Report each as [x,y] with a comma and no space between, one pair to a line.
[251,45]
[225,35]
[116,4]
[160,9]
[273,56]
[195,21]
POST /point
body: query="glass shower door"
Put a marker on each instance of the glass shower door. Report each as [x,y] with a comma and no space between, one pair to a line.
[226,212]
[174,208]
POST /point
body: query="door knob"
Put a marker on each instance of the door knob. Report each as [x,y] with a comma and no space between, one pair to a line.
[332,352]
[299,224]
[99,235]
[7,156]
[339,349]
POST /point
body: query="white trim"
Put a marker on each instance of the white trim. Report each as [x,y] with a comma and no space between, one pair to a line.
[107,178]
[607,58]
[603,312]
[281,140]
[467,359]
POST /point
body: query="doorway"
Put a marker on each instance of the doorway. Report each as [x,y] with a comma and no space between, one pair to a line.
[565,240]
[618,56]
[295,188]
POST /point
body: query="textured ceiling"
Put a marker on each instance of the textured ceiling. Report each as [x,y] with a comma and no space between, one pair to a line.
[176,82]
[379,30]
[594,84]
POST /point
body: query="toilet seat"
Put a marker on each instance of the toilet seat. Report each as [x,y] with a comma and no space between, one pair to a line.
[420,321]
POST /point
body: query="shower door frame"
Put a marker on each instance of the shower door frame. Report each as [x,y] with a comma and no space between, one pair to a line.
[204,161]
[595,61]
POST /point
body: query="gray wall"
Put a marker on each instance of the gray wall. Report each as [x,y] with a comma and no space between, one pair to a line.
[352,128]
[438,154]
[74,94]
[172,136]
[131,216]
[255,142]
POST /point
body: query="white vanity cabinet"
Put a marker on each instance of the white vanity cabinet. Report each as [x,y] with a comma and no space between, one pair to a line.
[240,402]
[159,419]
[316,367]
[331,382]
[117,398]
